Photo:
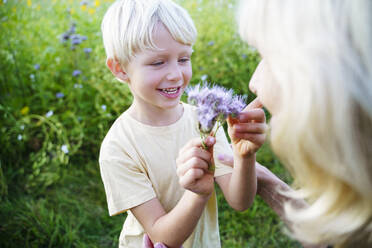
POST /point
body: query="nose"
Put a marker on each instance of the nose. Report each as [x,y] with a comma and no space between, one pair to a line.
[256,77]
[175,72]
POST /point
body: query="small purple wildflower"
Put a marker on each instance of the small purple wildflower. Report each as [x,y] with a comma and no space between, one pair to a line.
[214,104]
[76,39]
[87,50]
[211,43]
[76,73]
[60,95]
[104,107]
[37,66]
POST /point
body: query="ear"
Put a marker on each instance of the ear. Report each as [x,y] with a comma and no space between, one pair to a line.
[117,70]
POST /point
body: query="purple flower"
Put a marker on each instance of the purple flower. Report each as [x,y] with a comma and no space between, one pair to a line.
[76,39]
[36,66]
[214,104]
[60,95]
[211,43]
[76,73]
[87,50]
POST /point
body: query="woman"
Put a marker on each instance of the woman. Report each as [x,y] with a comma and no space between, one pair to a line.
[316,80]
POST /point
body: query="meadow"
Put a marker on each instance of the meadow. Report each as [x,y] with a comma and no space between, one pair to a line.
[58,100]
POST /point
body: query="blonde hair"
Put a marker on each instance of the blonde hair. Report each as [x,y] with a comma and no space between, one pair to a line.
[128,25]
[320,54]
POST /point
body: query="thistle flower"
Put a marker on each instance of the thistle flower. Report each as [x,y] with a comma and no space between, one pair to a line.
[214,104]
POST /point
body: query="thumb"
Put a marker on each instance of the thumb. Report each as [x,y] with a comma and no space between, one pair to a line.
[226,159]
[254,104]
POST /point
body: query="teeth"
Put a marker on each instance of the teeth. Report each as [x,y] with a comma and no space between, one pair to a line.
[170,90]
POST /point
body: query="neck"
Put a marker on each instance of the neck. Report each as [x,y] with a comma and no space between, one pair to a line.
[155,116]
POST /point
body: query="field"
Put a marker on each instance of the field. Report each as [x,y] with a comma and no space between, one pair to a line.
[58,100]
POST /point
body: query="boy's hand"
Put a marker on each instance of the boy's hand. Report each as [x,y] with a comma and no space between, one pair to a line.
[192,166]
[247,132]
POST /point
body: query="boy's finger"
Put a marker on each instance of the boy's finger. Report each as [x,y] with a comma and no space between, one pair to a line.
[197,152]
[253,104]
[194,162]
[252,127]
[190,177]
[196,142]
[257,139]
[257,115]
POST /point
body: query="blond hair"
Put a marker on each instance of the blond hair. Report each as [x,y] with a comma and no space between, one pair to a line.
[320,54]
[128,26]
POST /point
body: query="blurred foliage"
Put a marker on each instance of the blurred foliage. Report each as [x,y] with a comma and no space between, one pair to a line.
[58,100]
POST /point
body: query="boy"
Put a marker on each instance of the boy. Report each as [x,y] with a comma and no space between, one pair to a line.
[151,160]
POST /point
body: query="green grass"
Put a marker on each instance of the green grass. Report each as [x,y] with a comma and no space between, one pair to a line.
[50,187]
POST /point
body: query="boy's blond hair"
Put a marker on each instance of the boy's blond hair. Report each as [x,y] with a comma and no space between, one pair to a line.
[320,53]
[128,26]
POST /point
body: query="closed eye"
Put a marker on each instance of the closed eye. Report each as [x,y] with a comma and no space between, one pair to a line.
[184,60]
[158,63]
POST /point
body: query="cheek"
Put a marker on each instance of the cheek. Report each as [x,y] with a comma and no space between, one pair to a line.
[187,74]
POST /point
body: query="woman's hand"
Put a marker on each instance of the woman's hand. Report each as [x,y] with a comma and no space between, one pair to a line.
[247,132]
[192,166]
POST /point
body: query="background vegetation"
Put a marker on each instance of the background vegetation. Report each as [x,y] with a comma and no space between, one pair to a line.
[58,100]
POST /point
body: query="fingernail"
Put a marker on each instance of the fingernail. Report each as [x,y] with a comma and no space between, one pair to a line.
[210,140]
[221,157]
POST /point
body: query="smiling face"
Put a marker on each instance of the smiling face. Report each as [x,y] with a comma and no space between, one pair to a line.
[157,78]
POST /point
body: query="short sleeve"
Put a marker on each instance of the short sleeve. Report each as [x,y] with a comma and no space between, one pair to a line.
[126,184]
[222,146]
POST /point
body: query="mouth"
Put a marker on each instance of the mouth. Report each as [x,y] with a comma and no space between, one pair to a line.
[172,93]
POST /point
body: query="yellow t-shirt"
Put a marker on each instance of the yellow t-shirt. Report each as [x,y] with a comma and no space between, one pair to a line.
[138,163]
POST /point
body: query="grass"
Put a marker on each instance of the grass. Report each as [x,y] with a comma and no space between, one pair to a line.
[52,123]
